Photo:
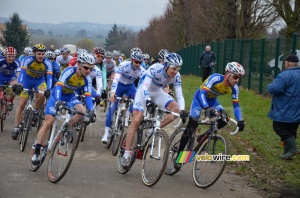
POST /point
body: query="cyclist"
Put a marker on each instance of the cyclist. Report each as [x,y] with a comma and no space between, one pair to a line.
[117,57]
[147,61]
[99,54]
[150,91]
[205,98]
[56,69]
[32,74]
[64,58]
[71,79]
[26,53]
[57,53]
[110,66]
[123,83]
[8,66]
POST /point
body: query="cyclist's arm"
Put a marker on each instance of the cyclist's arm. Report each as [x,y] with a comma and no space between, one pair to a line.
[99,82]
[179,97]
[115,82]
[88,93]
[104,76]
[49,73]
[235,103]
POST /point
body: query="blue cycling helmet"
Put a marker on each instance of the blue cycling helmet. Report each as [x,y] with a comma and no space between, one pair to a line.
[173,60]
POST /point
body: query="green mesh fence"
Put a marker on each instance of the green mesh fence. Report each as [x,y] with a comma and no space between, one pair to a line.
[262,59]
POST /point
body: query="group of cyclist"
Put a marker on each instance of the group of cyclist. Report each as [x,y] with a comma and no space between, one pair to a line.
[59,76]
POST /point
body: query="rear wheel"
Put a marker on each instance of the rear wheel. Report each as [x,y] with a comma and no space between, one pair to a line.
[122,151]
[40,118]
[2,113]
[62,155]
[206,173]
[155,158]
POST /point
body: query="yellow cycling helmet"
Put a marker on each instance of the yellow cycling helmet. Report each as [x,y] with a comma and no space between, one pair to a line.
[39,47]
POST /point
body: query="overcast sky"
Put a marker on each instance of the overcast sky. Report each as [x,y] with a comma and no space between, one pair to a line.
[129,12]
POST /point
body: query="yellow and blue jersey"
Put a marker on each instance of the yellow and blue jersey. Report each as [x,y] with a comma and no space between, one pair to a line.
[31,69]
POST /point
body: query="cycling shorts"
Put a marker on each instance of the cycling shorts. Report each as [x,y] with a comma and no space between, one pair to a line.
[71,101]
[28,83]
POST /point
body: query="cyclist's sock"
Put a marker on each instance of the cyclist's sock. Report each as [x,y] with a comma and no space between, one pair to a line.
[37,149]
[127,153]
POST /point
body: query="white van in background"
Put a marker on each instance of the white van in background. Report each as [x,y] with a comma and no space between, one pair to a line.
[271,63]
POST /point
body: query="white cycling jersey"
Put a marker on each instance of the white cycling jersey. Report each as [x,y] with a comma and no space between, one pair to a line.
[63,62]
[111,66]
[126,74]
[96,73]
[150,87]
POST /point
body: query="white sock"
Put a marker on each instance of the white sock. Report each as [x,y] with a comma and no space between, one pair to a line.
[127,153]
[106,130]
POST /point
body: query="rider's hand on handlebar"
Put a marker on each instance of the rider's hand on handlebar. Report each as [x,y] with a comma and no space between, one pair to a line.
[92,116]
[150,106]
[97,100]
[47,93]
[59,103]
[103,95]
[17,89]
[210,112]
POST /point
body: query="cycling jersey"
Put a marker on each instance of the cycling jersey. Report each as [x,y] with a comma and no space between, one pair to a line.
[73,61]
[56,72]
[118,60]
[96,73]
[69,82]
[31,69]
[110,67]
[206,96]
[126,74]
[102,67]
[63,63]
[8,71]
[151,84]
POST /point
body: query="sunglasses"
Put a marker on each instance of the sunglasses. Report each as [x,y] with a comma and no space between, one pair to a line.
[99,55]
[137,62]
[87,68]
[236,77]
[11,56]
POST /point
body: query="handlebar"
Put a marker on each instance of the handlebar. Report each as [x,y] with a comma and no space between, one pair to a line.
[206,120]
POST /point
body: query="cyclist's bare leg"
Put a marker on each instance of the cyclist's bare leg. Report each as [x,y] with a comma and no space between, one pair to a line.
[39,99]
[42,133]
[76,117]
[111,78]
[20,109]
[132,129]
[173,106]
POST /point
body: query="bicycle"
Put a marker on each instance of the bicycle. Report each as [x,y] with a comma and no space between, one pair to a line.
[153,151]
[26,122]
[60,145]
[3,105]
[211,143]
[118,126]
[106,100]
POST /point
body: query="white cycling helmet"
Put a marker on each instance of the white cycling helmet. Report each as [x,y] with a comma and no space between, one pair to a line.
[108,54]
[49,54]
[235,68]
[136,49]
[57,52]
[146,56]
[162,53]
[136,55]
[86,58]
[173,60]
[27,49]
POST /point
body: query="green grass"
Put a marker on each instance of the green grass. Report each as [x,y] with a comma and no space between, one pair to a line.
[265,170]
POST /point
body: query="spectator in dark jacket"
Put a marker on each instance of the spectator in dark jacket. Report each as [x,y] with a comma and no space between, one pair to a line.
[285,107]
[207,61]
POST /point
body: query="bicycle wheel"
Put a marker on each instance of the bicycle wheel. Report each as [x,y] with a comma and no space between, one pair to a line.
[207,172]
[2,113]
[24,130]
[80,126]
[118,133]
[155,158]
[111,132]
[83,133]
[106,99]
[62,155]
[174,147]
[40,119]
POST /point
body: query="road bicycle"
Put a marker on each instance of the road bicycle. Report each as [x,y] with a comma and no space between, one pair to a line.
[153,150]
[121,120]
[3,105]
[205,173]
[26,122]
[108,87]
[60,145]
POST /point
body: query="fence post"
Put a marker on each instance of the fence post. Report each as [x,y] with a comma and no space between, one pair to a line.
[261,70]
[232,49]
[250,63]
[224,58]
[294,43]
[276,56]
[241,56]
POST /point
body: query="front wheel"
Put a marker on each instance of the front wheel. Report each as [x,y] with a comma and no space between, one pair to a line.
[207,171]
[118,133]
[155,158]
[3,111]
[62,155]
[24,130]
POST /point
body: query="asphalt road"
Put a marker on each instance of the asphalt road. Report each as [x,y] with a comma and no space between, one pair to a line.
[93,173]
